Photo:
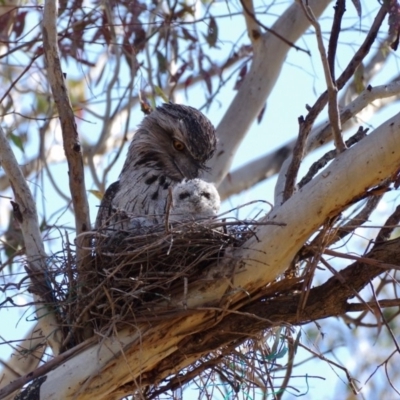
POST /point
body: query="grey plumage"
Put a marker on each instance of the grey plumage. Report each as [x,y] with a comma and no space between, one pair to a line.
[172,143]
[194,199]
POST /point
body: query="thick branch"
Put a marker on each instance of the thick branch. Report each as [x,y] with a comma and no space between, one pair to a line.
[327,300]
[118,361]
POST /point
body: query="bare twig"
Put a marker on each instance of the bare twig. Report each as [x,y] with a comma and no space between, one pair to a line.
[355,222]
[330,155]
[72,146]
[340,9]
[333,109]
[328,96]
[254,34]
[357,307]
[270,164]
[298,154]
[388,228]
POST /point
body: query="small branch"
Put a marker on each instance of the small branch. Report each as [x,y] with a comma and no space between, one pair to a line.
[357,307]
[330,155]
[72,146]
[317,138]
[340,9]
[363,49]
[251,21]
[290,364]
[298,154]
[329,96]
[25,207]
[388,228]
[333,108]
[355,222]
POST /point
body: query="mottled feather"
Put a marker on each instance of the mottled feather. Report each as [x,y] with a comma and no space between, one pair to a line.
[172,143]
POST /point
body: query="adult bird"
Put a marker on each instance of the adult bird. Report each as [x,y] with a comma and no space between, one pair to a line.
[172,143]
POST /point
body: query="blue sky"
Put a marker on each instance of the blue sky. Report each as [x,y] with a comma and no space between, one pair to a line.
[300,83]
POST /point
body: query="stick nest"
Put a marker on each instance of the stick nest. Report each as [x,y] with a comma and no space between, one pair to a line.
[131,277]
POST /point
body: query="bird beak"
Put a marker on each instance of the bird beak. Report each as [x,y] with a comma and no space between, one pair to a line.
[189,172]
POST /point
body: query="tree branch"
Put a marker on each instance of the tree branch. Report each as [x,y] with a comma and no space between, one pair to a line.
[236,281]
[253,28]
[264,167]
[333,110]
[72,146]
[25,212]
[340,9]
[257,86]
[24,359]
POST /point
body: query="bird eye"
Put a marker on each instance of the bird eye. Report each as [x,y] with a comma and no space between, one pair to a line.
[178,145]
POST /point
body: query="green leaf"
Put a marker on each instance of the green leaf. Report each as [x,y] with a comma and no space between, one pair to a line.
[162,62]
[42,104]
[160,93]
[17,141]
[96,193]
[359,79]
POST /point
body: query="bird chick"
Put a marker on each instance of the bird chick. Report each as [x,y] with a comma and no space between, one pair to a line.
[194,199]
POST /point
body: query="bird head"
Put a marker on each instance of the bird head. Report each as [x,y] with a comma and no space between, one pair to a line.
[194,199]
[175,139]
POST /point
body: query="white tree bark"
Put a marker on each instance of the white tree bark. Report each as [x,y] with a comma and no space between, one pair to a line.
[100,370]
[24,359]
[26,215]
[269,55]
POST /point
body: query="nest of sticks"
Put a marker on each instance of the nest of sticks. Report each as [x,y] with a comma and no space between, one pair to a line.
[131,277]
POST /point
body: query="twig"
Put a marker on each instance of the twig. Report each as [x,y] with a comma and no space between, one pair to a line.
[359,219]
[333,108]
[340,9]
[388,227]
[321,102]
[72,146]
[365,260]
[298,154]
[351,381]
[290,364]
[330,155]
[16,80]
[357,307]
[270,164]
[383,319]
[249,12]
